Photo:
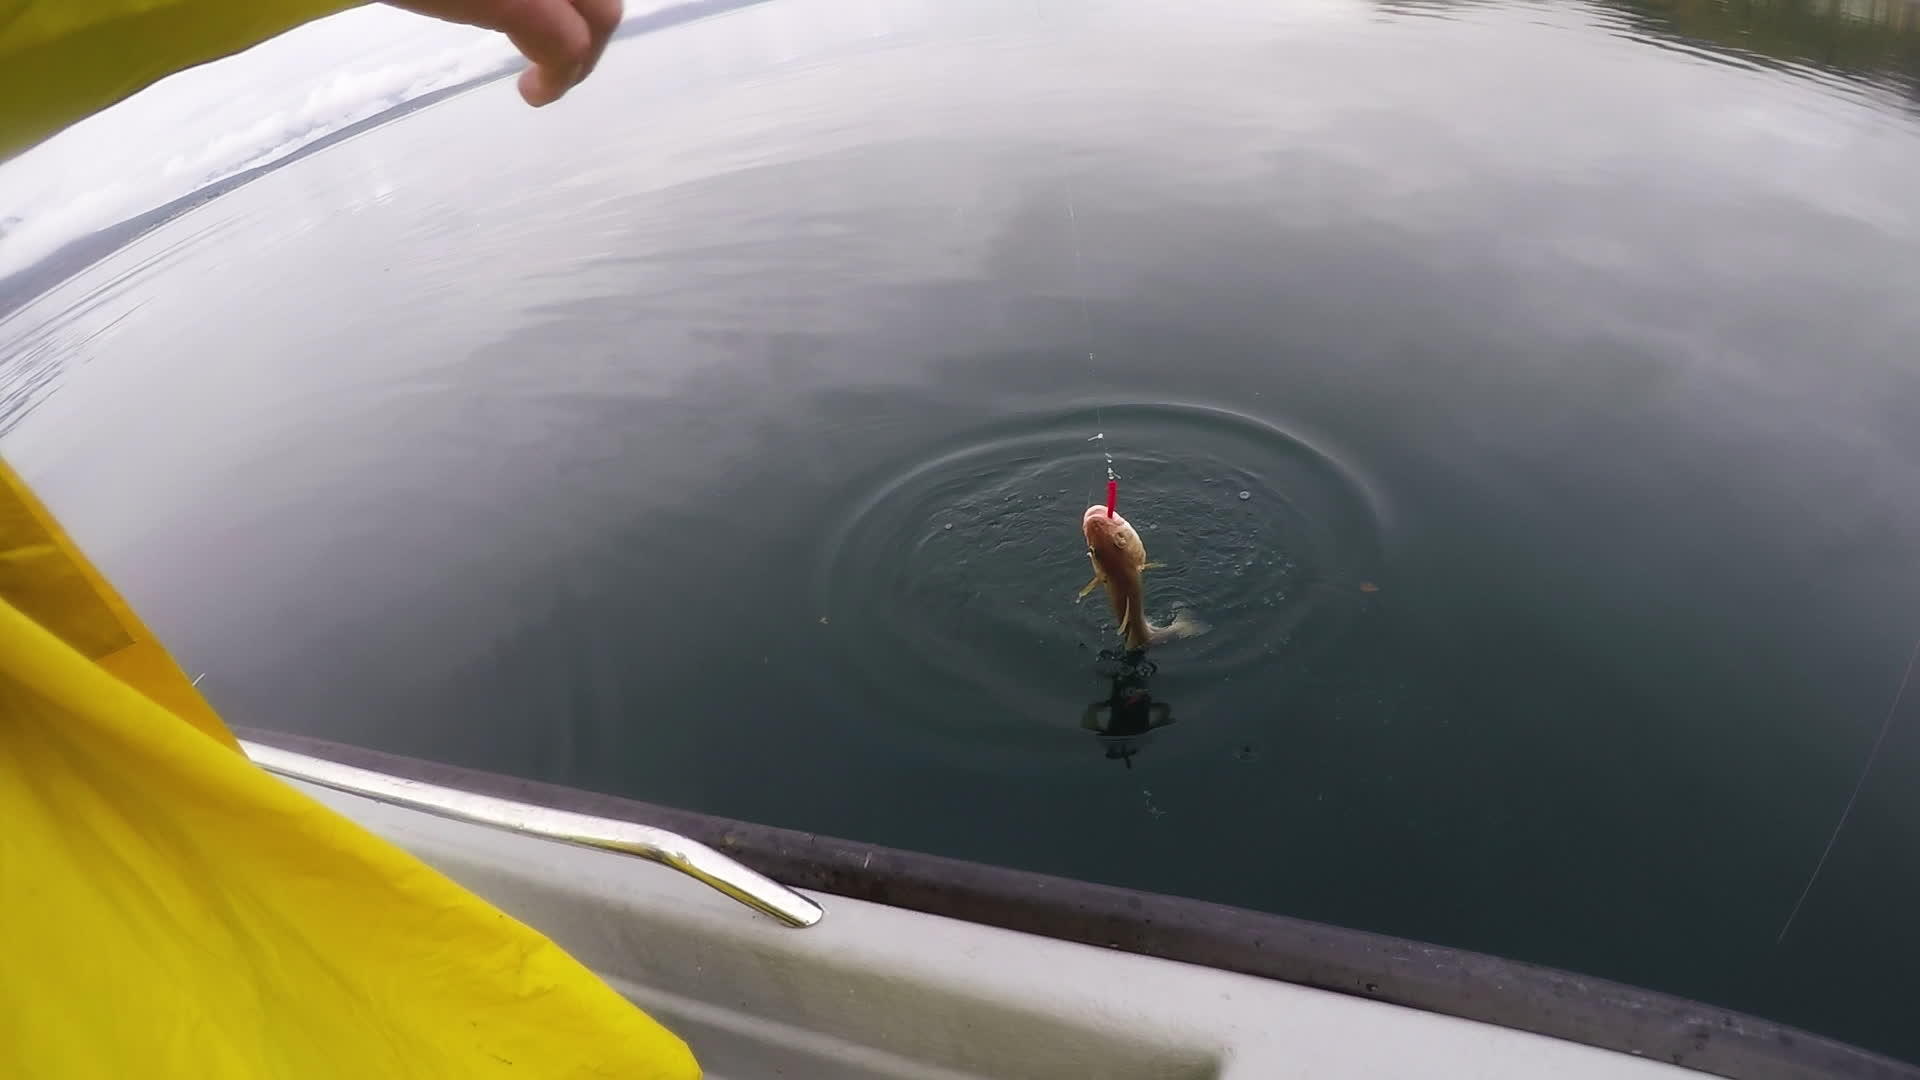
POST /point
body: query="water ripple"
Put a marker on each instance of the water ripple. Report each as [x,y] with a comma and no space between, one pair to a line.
[956,574]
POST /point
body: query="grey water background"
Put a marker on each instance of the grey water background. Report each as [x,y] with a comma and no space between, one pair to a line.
[719,438]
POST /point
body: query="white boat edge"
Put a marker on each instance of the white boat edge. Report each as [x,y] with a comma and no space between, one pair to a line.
[926,967]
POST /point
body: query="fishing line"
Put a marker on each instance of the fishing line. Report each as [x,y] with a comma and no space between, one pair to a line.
[1093,368]
[1885,724]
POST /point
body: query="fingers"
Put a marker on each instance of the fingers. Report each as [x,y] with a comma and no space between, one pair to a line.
[562,39]
[554,36]
[603,18]
[543,86]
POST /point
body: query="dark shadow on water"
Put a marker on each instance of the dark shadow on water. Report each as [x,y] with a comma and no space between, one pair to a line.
[1124,720]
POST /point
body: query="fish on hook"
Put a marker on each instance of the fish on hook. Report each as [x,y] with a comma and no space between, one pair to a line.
[1120,563]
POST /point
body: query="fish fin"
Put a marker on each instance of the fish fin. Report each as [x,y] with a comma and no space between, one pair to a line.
[1087,588]
[1154,566]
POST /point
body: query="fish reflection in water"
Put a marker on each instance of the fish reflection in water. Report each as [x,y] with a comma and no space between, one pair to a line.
[1125,719]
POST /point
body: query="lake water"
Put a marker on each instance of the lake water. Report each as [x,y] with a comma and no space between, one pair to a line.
[720,437]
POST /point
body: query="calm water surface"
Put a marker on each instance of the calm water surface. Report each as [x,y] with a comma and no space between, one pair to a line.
[719,438]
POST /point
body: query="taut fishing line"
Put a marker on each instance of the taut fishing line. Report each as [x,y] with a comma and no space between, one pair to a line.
[1093,369]
[1885,724]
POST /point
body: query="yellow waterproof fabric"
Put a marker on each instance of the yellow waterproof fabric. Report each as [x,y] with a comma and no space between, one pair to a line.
[43,575]
[171,911]
[167,909]
[61,60]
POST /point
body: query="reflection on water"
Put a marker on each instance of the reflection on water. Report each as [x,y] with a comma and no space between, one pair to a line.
[1564,354]
[1874,41]
[1125,719]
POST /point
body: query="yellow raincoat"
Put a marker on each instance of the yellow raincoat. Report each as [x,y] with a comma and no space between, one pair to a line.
[168,909]
[62,60]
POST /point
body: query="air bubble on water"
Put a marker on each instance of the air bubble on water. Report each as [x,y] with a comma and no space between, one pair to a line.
[948,526]
[1245,495]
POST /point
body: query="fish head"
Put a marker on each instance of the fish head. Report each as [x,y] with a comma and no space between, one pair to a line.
[1112,544]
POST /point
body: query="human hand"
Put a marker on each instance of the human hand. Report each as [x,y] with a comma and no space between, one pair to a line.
[563,39]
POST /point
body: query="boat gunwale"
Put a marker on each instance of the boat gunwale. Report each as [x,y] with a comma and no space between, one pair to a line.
[1431,978]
